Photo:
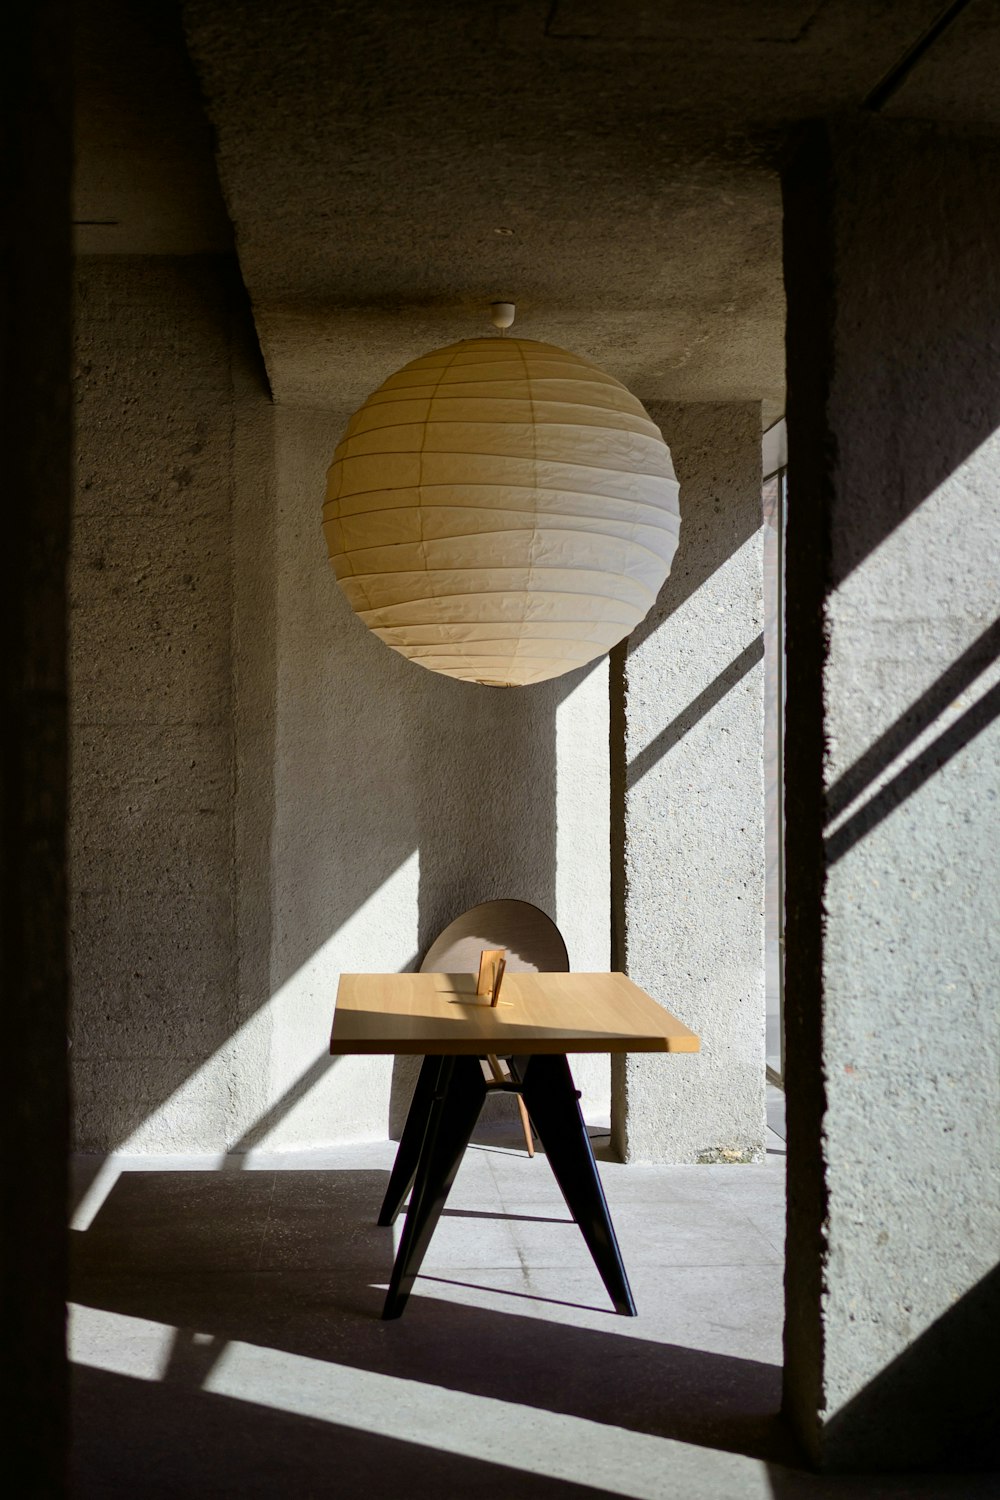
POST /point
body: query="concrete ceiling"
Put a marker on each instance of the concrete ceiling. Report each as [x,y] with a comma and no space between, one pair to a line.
[390,168]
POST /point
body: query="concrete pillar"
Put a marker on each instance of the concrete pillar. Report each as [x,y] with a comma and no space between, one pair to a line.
[688,803]
[171,618]
[892,259]
[35,164]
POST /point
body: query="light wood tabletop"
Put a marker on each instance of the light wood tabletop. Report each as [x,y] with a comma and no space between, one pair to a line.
[537,1013]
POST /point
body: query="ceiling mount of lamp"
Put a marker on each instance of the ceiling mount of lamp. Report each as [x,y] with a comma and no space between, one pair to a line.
[502,314]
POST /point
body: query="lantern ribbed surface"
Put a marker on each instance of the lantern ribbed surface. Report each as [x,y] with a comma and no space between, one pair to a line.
[501,511]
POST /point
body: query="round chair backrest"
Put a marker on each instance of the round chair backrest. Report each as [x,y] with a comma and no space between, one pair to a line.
[533,942]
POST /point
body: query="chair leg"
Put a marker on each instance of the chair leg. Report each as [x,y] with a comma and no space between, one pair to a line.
[459,1091]
[552,1102]
[499,1076]
[405,1166]
[529,1139]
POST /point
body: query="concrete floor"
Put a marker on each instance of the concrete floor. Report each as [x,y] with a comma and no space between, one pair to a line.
[226,1337]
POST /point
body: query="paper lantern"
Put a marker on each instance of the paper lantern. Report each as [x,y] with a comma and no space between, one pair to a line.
[501,511]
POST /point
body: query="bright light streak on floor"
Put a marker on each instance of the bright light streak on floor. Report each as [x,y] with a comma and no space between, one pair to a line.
[227,1337]
[521,1438]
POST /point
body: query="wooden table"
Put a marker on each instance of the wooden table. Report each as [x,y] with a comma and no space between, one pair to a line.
[539,1019]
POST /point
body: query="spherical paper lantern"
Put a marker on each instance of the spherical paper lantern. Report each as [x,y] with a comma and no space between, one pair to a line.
[501,512]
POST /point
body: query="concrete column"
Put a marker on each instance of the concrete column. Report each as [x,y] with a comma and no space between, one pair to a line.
[688,805]
[171,617]
[35,166]
[892,259]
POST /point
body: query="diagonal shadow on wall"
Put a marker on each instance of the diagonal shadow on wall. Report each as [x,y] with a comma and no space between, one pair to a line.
[945,1381]
[696,710]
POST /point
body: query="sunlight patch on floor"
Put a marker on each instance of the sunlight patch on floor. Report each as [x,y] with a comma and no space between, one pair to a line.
[545,1443]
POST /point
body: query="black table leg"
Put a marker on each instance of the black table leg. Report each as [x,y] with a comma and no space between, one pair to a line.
[551,1100]
[457,1095]
[404,1168]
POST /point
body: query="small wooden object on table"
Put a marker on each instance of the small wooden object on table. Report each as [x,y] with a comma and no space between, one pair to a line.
[492,963]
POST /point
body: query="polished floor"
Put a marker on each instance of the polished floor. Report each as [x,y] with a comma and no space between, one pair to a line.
[226,1336]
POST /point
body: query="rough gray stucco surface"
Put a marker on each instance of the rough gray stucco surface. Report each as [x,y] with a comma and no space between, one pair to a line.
[165,380]
[609,166]
[894,995]
[587,182]
[689,832]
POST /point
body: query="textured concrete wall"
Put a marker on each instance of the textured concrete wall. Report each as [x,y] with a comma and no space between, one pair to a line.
[892,257]
[165,377]
[263,794]
[688,844]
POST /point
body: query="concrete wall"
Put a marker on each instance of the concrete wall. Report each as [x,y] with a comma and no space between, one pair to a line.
[264,795]
[164,365]
[688,845]
[892,256]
